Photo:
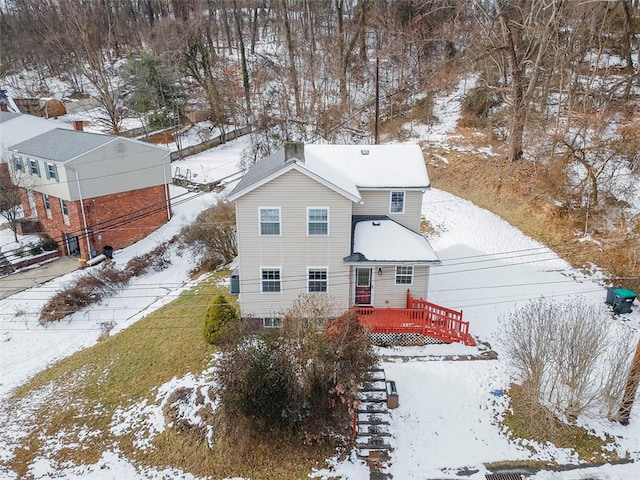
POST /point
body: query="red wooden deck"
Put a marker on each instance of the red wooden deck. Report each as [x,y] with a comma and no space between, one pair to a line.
[419,317]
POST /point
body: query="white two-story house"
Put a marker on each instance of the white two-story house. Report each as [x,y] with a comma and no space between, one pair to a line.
[337,219]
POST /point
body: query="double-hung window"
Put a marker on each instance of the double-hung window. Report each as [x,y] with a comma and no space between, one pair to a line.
[404,275]
[18,165]
[47,204]
[34,168]
[317,280]
[65,212]
[396,204]
[270,221]
[270,280]
[51,171]
[317,221]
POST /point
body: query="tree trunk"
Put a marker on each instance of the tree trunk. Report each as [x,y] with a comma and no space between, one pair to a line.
[292,59]
[243,61]
[630,389]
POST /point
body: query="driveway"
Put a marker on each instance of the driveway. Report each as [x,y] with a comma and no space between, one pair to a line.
[17,282]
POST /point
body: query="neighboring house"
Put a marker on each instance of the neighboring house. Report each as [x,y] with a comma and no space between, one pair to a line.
[18,127]
[90,191]
[337,219]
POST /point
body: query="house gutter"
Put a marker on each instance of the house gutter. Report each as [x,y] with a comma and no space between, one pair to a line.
[166,187]
[84,216]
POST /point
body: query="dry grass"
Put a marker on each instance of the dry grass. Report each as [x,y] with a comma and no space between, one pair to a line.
[82,392]
[530,420]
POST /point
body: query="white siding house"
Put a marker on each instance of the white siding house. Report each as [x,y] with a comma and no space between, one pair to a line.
[337,219]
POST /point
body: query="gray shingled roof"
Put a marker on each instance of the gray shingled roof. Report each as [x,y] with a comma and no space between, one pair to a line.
[61,145]
[6,116]
[261,169]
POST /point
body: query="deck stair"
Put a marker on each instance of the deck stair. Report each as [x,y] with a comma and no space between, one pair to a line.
[372,419]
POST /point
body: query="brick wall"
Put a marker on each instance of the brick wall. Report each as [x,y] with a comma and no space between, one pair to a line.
[117,220]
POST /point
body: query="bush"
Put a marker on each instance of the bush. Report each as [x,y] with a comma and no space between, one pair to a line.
[297,381]
[35,249]
[212,237]
[48,243]
[219,316]
[478,103]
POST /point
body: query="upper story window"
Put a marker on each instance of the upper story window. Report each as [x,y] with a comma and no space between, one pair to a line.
[270,221]
[52,171]
[318,221]
[317,280]
[18,164]
[396,204]
[270,280]
[404,275]
[34,168]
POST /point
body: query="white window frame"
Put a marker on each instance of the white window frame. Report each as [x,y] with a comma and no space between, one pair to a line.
[279,280]
[51,170]
[34,163]
[404,274]
[18,163]
[271,322]
[315,222]
[391,202]
[64,208]
[31,200]
[279,223]
[46,200]
[325,280]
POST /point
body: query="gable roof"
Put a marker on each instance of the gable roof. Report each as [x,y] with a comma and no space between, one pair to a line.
[18,127]
[345,168]
[65,145]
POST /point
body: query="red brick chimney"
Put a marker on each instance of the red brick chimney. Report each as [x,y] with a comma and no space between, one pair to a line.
[78,125]
[4,107]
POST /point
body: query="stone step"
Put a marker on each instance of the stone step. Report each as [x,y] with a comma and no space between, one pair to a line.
[373,429]
[370,396]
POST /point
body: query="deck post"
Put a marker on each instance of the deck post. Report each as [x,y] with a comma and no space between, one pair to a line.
[409,299]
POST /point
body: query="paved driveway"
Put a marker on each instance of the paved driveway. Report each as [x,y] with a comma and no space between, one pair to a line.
[17,282]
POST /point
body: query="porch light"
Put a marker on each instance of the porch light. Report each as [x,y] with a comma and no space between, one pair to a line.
[379,270]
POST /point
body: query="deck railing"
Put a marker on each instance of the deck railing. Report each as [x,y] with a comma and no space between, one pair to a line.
[419,317]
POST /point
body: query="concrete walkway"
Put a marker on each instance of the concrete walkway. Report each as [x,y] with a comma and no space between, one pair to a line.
[17,282]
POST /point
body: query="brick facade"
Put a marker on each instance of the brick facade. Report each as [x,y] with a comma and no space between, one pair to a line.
[116,220]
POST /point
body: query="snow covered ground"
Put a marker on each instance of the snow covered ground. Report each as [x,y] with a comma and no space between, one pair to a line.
[447,415]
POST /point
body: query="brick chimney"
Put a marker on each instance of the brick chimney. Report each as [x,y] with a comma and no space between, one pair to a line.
[293,151]
[78,125]
[4,107]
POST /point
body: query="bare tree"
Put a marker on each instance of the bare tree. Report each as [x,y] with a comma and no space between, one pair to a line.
[10,206]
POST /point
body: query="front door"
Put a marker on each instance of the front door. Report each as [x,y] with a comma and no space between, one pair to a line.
[363,286]
[73,246]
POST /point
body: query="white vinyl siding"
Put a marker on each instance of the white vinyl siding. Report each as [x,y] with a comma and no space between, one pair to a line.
[376,202]
[270,280]
[318,221]
[389,294]
[318,278]
[270,221]
[294,250]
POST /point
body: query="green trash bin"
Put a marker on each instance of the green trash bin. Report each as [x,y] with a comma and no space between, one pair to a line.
[621,299]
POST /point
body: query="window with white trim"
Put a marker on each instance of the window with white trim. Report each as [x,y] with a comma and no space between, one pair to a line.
[270,221]
[18,165]
[396,204]
[47,204]
[51,169]
[33,209]
[272,322]
[317,280]
[65,212]
[318,221]
[34,168]
[404,275]
[270,280]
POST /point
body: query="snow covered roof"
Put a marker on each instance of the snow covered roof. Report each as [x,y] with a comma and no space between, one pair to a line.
[18,127]
[345,168]
[378,239]
[64,145]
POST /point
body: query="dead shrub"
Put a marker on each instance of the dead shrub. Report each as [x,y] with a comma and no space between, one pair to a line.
[106,281]
[212,237]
